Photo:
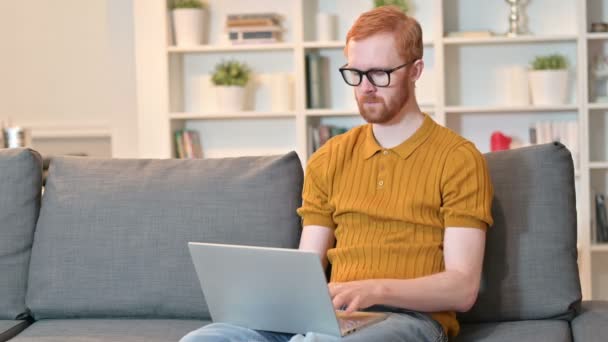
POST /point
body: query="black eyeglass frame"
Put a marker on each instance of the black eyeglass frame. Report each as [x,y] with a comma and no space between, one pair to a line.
[362,73]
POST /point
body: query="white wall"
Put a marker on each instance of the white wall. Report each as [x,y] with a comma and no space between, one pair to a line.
[70,62]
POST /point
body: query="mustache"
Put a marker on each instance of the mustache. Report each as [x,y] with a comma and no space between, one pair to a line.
[372,99]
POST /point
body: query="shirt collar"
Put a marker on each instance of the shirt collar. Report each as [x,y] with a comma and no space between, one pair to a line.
[406,148]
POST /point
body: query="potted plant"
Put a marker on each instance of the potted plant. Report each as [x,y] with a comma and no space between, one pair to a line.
[187,21]
[402,4]
[230,78]
[549,80]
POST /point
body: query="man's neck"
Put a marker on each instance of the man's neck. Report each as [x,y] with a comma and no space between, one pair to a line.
[404,125]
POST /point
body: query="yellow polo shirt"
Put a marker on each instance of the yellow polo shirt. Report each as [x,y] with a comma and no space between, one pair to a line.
[390,207]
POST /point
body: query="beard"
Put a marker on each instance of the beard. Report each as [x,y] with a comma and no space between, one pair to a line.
[376,110]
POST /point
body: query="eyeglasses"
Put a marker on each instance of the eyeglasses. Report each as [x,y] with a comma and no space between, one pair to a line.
[377,77]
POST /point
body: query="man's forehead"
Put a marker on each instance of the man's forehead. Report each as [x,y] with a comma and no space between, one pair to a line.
[375,51]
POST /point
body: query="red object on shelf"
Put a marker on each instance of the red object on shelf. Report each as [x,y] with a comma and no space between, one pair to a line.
[500,142]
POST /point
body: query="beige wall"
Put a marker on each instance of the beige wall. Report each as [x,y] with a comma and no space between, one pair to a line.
[70,62]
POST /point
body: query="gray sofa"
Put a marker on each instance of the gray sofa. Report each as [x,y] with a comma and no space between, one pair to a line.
[102,256]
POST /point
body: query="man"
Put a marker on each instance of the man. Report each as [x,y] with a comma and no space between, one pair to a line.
[399,206]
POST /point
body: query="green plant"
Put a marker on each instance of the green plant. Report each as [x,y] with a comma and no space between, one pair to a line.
[186,4]
[231,73]
[402,4]
[550,62]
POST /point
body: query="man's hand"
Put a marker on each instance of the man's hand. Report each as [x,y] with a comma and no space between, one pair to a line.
[354,295]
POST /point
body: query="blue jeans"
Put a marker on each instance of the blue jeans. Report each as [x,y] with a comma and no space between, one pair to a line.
[400,325]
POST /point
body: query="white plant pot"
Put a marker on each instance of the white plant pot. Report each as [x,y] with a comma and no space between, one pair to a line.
[230,98]
[548,87]
[188,26]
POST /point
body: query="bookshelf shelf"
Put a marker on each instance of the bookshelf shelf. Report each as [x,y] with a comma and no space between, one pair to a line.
[230,48]
[508,40]
[597,35]
[598,165]
[599,247]
[510,109]
[338,44]
[331,112]
[323,45]
[231,115]
[598,105]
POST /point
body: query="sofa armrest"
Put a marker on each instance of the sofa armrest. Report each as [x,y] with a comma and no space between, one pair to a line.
[591,324]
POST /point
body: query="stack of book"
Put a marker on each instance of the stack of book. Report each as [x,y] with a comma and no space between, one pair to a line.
[254,28]
[187,144]
[320,135]
[566,132]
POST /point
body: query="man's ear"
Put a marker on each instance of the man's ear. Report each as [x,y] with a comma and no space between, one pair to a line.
[416,70]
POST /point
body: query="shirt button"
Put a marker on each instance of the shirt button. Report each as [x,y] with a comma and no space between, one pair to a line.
[380,183]
[385,152]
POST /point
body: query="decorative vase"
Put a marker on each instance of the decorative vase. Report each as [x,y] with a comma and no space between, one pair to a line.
[548,87]
[188,26]
[326,26]
[517,25]
[230,98]
[281,92]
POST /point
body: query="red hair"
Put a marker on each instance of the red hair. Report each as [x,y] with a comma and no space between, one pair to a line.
[407,31]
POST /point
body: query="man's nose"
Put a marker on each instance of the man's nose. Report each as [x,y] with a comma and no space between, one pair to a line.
[366,86]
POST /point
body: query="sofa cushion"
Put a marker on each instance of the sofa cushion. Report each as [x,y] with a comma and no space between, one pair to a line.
[20,187]
[522,331]
[530,267]
[591,324]
[102,330]
[112,236]
[9,329]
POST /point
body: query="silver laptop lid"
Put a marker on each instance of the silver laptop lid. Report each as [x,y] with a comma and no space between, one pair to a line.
[272,289]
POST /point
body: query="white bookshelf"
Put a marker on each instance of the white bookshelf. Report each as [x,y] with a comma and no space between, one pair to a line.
[509,40]
[465,85]
[510,109]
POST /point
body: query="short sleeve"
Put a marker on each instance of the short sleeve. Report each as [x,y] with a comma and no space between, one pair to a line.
[466,189]
[316,208]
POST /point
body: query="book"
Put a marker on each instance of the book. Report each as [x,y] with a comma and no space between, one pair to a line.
[253,19]
[601,218]
[179,144]
[314,90]
[196,144]
[246,16]
[321,134]
[187,144]
[250,22]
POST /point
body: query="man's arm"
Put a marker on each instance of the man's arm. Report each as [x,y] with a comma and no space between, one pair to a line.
[317,239]
[455,289]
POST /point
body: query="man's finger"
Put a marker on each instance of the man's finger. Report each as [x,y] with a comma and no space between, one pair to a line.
[339,302]
[353,306]
[334,289]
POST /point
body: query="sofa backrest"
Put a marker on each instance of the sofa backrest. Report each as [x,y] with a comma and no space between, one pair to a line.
[20,186]
[112,236]
[530,267]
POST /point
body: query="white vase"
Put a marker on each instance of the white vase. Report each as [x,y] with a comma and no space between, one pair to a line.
[281,92]
[188,26]
[230,98]
[326,26]
[548,87]
[512,84]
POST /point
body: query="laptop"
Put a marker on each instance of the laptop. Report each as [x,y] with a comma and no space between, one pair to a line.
[272,289]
